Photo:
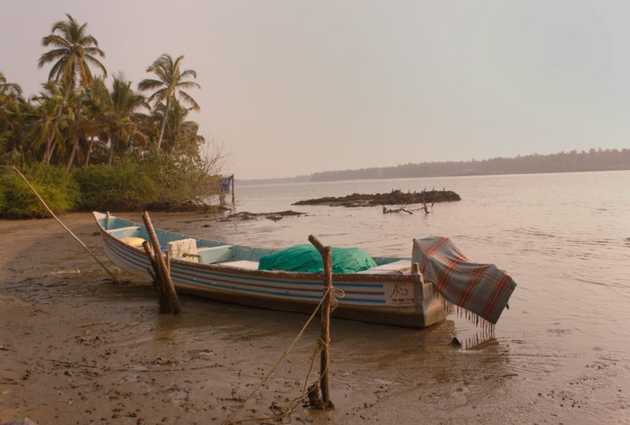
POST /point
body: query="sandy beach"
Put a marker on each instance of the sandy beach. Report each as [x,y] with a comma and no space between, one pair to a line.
[478,147]
[74,348]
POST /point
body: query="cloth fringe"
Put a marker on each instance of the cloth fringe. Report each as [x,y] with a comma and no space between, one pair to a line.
[486,327]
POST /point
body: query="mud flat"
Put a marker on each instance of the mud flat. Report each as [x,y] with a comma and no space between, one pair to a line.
[74,348]
[395,197]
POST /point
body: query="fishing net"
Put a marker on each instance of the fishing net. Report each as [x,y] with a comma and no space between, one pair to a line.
[305,258]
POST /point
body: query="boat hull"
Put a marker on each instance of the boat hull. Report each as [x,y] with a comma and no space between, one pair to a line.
[402,300]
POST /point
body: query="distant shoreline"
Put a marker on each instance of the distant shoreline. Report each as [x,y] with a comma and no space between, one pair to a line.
[252,182]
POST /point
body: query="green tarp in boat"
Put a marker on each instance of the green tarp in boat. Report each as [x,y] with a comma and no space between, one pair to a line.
[305,258]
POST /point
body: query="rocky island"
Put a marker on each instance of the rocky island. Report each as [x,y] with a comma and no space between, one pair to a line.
[395,197]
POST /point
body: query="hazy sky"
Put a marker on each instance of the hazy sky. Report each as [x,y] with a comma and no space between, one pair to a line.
[291,87]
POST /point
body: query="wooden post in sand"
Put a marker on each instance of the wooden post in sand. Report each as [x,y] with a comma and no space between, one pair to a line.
[167,288]
[233,195]
[324,383]
[157,278]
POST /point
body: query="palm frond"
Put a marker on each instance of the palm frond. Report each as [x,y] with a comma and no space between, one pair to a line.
[149,84]
[188,72]
[55,40]
[56,69]
[91,59]
[52,55]
[158,96]
[79,30]
[61,26]
[88,40]
[188,85]
[94,51]
[188,99]
[175,65]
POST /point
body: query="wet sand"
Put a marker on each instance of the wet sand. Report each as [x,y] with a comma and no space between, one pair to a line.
[76,349]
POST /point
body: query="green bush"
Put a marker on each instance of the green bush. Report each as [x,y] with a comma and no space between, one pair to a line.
[3,201]
[180,180]
[53,183]
[123,187]
[158,182]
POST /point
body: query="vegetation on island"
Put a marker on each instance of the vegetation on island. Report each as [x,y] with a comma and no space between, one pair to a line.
[395,197]
[91,141]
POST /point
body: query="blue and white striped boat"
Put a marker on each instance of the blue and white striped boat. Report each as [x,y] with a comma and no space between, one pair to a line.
[390,293]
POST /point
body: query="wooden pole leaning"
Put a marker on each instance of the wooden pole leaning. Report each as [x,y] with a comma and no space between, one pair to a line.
[166,283]
[158,283]
[75,237]
[324,382]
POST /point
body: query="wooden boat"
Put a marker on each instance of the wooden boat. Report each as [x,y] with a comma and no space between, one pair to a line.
[390,293]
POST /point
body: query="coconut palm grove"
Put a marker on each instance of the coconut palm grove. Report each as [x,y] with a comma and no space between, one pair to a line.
[92,140]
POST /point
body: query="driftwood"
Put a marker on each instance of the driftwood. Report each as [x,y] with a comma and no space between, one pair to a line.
[396,210]
[395,197]
[273,216]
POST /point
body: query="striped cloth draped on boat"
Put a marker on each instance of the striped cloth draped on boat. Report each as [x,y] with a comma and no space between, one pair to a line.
[482,289]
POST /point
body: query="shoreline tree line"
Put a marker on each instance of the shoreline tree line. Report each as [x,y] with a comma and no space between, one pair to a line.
[89,140]
[573,161]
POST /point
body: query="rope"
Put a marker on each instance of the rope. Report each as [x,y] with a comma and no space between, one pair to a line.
[76,238]
[338,293]
[321,344]
[290,408]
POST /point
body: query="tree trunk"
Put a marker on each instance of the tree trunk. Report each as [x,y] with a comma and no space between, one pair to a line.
[75,148]
[111,152]
[168,106]
[46,159]
[49,149]
[52,152]
[89,151]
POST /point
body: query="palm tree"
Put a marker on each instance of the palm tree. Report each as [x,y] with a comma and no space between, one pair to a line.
[15,114]
[52,113]
[119,114]
[181,135]
[74,52]
[169,86]
[9,89]
[126,105]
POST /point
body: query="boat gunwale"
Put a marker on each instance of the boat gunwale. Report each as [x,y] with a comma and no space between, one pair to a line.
[267,274]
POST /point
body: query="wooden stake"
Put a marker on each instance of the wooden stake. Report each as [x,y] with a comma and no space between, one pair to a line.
[75,237]
[168,287]
[233,195]
[324,382]
[158,284]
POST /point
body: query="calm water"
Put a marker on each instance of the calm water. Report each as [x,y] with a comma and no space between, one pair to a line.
[561,354]
[565,238]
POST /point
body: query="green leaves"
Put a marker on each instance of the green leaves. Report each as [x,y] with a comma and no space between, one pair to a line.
[74,52]
[53,183]
[78,118]
[167,88]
